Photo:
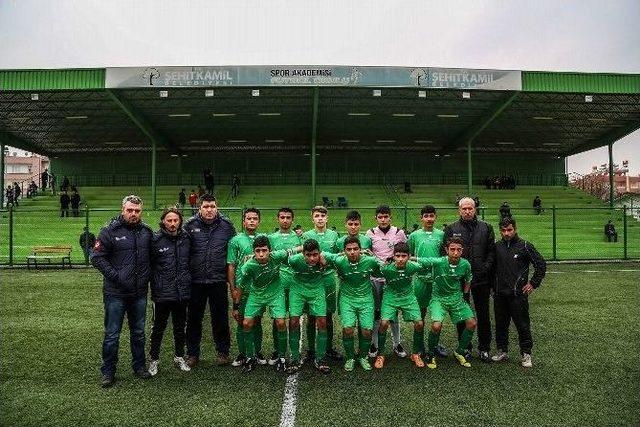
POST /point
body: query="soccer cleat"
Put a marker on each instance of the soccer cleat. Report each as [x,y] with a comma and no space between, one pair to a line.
[349,364]
[462,360]
[364,363]
[500,356]
[431,362]
[399,351]
[526,360]
[484,356]
[249,365]
[321,366]
[239,360]
[153,367]
[441,351]
[273,359]
[294,366]
[222,360]
[334,355]
[281,365]
[260,359]
[379,363]
[310,355]
[107,381]
[179,362]
[373,351]
[142,373]
[417,360]
[192,361]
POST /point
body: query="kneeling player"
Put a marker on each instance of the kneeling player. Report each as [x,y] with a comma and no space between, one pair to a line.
[447,298]
[399,296]
[260,275]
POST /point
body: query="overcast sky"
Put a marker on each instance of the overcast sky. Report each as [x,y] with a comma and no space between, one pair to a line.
[554,35]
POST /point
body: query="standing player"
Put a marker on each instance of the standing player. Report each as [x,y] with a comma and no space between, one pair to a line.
[326,239]
[383,238]
[352,223]
[356,298]
[399,296]
[240,249]
[424,243]
[260,275]
[447,298]
[284,238]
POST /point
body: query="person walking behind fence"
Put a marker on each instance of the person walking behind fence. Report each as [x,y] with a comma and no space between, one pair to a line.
[87,240]
[44,179]
[17,191]
[537,205]
[75,204]
[610,232]
[513,287]
[182,199]
[193,202]
[65,200]
[121,254]
[235,186]
[170,287]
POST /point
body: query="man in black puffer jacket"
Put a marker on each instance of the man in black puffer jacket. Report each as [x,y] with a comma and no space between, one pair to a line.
[121,254]
[170,286]
[479,250]
[209,233]
[513,287]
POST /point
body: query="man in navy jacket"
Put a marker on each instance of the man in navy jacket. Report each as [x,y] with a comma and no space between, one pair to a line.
[121,254]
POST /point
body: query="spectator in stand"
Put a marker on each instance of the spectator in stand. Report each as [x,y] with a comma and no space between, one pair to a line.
[65,200]
[505,210]
[45,179]
[193,201]
[610,232]
[182,199]
[65,184]
[537,205]
[75,203]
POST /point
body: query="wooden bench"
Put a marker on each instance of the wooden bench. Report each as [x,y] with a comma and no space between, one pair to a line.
[49,254]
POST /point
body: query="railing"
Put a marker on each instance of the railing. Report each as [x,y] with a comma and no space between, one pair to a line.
[559,233]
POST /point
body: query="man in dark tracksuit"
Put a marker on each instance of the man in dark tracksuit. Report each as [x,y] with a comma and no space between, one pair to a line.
[121,254]
[513,287]
[170,286]
[479,250]
[209,233]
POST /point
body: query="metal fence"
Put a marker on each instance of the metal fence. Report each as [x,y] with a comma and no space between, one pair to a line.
[559,233]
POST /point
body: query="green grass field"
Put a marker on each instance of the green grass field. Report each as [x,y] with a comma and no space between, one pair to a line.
[579,217]
[585,325]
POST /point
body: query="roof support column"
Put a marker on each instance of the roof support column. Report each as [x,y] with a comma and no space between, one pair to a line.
[154,155]
[1,173]
[314,135]
[469,169]
[611,183]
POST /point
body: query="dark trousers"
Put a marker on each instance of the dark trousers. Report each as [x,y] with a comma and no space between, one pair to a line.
[216,295]
[516,308]
[161,312]
[480,295]
[64,212]
[114,311]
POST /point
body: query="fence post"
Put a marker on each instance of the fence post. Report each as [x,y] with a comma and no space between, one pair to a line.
[553,219]
[11,235]
[624,230]
[405,217]
[86,237]
[482,212]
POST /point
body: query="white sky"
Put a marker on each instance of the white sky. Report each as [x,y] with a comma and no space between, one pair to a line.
[568,35]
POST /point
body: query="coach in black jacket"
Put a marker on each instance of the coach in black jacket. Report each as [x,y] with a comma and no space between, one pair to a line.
[121,254]
[479,250]
[170,286]
[209,234]
[513,287]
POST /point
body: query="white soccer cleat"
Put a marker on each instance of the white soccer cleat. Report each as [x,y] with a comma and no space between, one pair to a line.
[153,367]
[181,364]
[500,356]
[526,361]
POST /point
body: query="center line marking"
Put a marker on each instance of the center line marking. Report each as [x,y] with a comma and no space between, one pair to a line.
[288,417]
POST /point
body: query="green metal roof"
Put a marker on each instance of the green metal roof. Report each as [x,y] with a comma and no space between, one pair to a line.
[52,79]
[539,81]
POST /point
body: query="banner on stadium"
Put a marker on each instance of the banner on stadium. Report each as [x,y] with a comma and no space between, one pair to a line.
[347,76]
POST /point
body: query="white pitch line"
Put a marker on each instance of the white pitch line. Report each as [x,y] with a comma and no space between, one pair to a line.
[595,271]
[288,417]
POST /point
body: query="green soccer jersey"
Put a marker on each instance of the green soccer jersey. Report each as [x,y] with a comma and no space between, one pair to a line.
[355,278]
[399,281]
[240,248]
[365,242]
[307,277]
[426,244]
[284,240]
[448,278]
[327,239]
[263,280]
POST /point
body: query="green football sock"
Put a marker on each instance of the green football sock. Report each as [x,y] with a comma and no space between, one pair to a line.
[282,343]
[382,339]
[418,341]
[433,342]
[274,332]
[257,335]
[347,342]
[240,339]
[365,342]
[249,342]
[321,344]
[465,339]
[294,344]
[330,330]
[311,334]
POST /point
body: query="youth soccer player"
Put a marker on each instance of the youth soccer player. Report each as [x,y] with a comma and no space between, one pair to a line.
[352,223]
[399,297]
[260,275]
[305,275]
[424,243]
[356,298]
[283,238]
[326,239]
[447,298]
[239,250]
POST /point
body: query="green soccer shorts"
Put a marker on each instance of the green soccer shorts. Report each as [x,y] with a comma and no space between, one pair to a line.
[422,290]
[458,310]
[274,305]
[408,305]
[356,311]
[302,301]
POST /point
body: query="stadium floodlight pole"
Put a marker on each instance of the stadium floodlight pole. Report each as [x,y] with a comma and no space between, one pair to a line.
[611,175]
[154,155]
[469,168]
[314,131]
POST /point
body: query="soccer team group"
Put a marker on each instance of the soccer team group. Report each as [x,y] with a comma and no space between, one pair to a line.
[369,279]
